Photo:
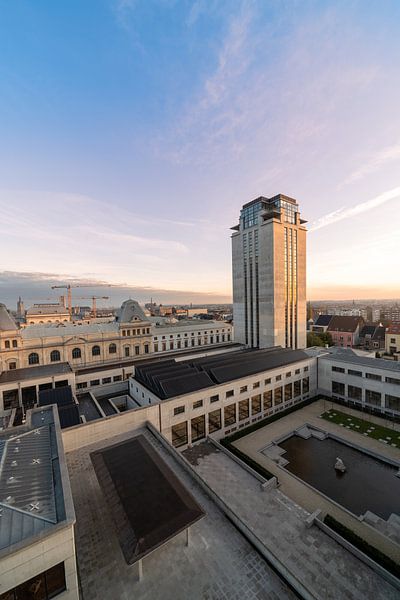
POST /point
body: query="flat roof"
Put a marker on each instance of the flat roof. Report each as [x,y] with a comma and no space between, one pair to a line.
[35,372]
[169,378]
[148,503]
[365,361]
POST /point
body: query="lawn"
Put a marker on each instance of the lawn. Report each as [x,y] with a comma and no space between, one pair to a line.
[387,436]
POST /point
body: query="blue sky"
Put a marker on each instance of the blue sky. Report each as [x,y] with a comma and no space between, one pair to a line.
[132,131]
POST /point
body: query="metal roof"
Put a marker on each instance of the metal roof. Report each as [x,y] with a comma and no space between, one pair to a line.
[372,363]
[36,372]
[32,497]
[169,378]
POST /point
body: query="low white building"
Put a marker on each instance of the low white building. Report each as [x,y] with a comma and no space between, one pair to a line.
[216,395]
[37,546]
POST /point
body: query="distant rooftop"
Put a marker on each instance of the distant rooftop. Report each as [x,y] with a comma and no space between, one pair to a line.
[36,372]
[63,329]
[169,378]
[366,361]
[34,489]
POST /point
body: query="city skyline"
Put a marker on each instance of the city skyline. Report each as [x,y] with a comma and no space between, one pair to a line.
[127,152]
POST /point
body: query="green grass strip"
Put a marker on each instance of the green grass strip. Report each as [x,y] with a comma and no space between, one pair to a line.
[390,437]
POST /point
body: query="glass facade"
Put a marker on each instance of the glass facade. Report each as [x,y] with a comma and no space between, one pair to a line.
[243,409]
[179,434]
[44,586]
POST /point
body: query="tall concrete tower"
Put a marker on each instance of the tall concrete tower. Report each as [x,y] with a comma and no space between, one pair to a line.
[269,274]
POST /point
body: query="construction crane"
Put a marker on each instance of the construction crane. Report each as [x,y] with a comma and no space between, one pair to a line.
[93,299]
[69,286]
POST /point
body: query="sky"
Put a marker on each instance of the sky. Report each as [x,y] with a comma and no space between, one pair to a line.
[132,132]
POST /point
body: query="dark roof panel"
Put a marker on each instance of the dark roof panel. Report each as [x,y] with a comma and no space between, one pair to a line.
[60,396]
[323,320]
[148,503]
[35,372]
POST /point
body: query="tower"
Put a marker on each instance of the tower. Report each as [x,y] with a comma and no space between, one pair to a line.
[269,274]
[20,308]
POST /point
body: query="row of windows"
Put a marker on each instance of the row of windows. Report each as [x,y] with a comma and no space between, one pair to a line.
[279,394]
[95,382]
[129,332]
[10,343]
[55,356]
[186,334]
[44,586]
[171,345]
[372,376]
[231,415]
[371,396]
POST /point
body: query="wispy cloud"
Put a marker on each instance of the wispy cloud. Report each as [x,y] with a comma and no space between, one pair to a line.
[352,211]
[374,162]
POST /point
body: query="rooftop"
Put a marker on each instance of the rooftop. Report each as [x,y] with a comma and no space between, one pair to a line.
[218,563]
[344,323]
[148,503]
[169,378]
[36,372]
[356,359]
[7,323]
[34,491]
[67,329]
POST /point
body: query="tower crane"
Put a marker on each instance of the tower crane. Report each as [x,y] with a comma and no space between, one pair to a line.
[69,286]
[93,299]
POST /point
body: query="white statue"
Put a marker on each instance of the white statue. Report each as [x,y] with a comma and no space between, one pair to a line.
[339,465]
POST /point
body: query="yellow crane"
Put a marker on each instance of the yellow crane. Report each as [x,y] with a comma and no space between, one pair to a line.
[93,299]
[69,286]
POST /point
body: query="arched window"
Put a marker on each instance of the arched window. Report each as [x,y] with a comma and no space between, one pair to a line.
[96,351]
[112,349]
[33,358]
[76,353]
[55,356]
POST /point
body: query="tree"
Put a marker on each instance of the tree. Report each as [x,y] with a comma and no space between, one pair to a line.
[318,339]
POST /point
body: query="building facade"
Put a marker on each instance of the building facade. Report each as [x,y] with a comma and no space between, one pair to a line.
[89,344]
[269,274]
[392,339]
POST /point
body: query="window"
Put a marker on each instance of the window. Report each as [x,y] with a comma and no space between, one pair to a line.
[81,386]
[117,378]
[76,353]
[277,395]
[256,404]
[106,380]
[95,382]
[12,366]
[297,388]
[198,404]
[243,409]
[338,388]
[229,415]
[7,344]
[354,373]
[179,434]
[338,369]
[198,428]
[112,349]
[96,351]
[155,347]
[229,394]
[373,376]
[278,378]
[243,389]
[33,358]
[214,398]
[354,392]
[297,371]
[289,374]
[44,586]
[178,410]
[137,350]
[214,421]
[55,356]
[392,380]
[171,345]
[392,402]
[267,381]
[256,385]
[306,385]
[372,397]
[267,400]
[146,348]
[288,392]
[305,369]
[14,343]
[126,350]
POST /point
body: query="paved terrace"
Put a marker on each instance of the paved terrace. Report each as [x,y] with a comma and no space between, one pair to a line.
[219,564]
[322,565]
